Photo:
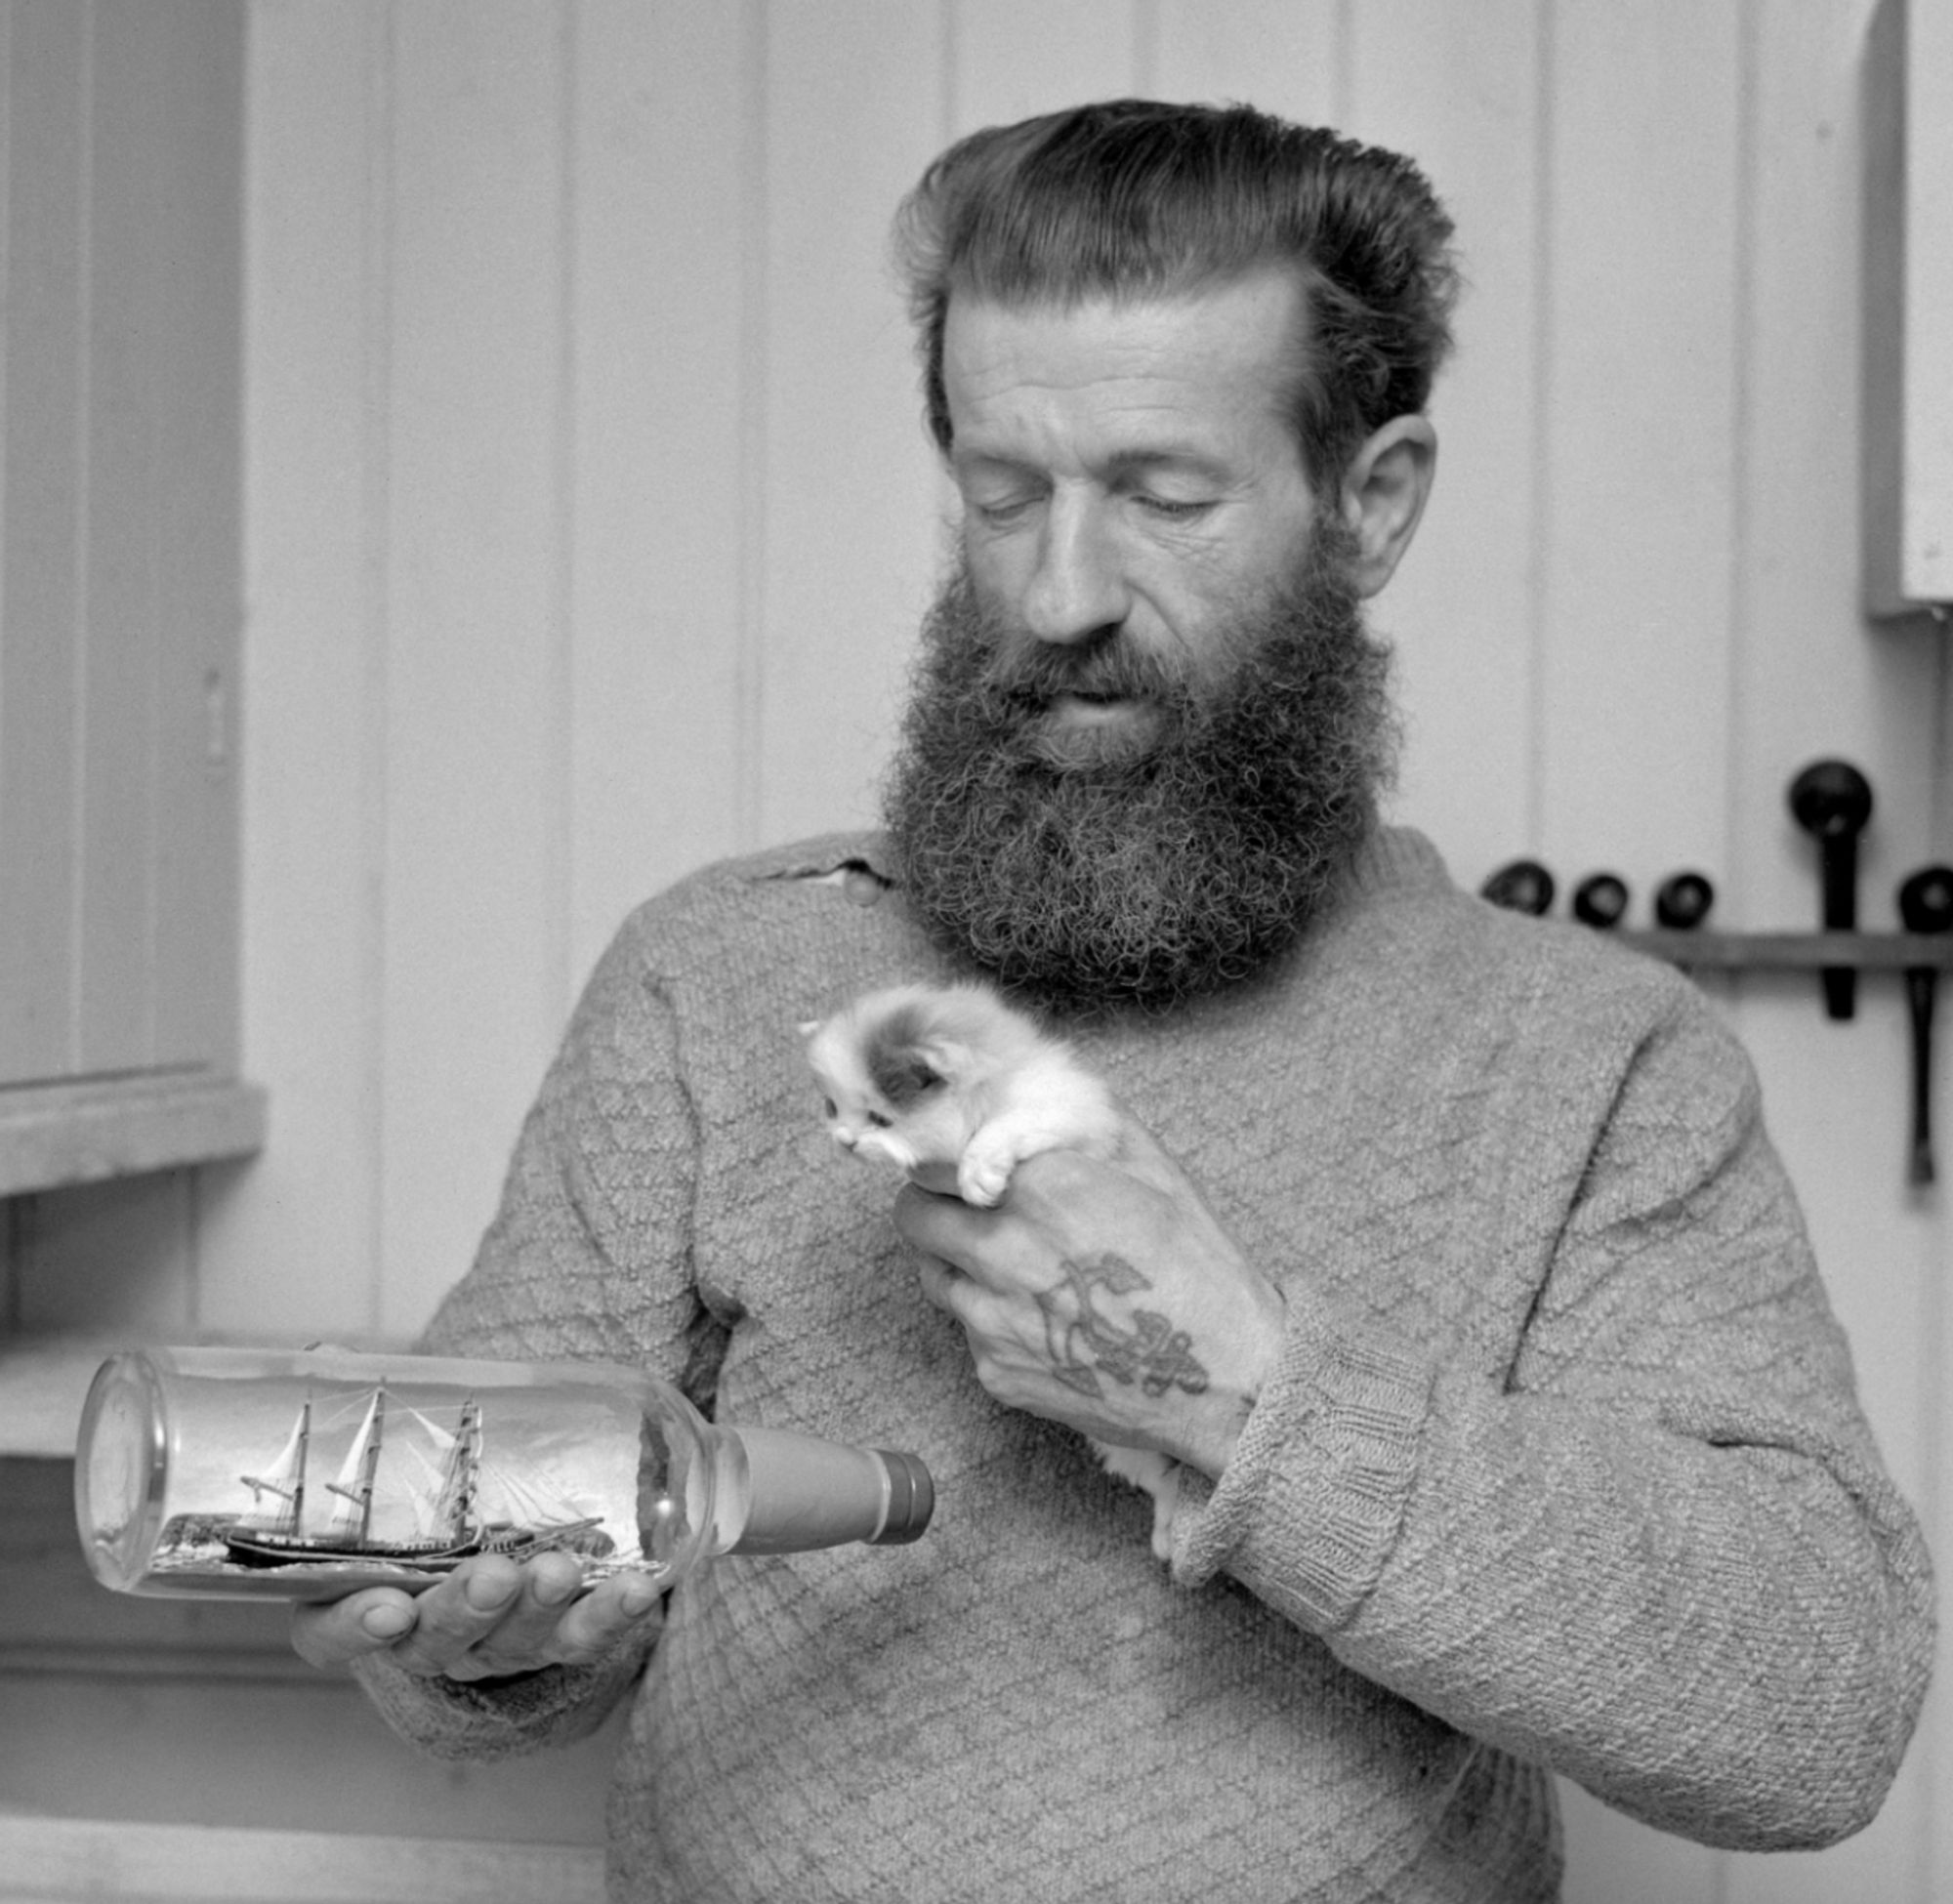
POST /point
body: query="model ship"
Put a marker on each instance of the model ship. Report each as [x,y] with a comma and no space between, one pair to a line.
[450,1523]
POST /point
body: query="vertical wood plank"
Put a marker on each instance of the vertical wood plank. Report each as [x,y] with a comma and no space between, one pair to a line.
[850,530]
[1869,694]
[478,657]
[1639,394]
[664,103]
[1460,93]
[291,1248]
[1287,57]
[187,59]
[1084,50]
[42,379]
[127,249]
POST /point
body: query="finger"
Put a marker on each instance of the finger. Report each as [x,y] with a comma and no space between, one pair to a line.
[341,1631]
[944,1226]
[524,1636]
[459,1613]
[939,1282]
[602,1619]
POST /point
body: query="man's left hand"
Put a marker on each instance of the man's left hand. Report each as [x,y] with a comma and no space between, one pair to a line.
[1104,1295]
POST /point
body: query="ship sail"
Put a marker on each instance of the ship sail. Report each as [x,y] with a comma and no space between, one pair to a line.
[454,1507]
[285,1481]
[352,1513]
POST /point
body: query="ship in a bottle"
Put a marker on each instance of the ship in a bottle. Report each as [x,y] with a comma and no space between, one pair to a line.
[286,1527]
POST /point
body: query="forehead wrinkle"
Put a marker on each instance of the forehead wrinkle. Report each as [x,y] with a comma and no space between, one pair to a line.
[1115,384]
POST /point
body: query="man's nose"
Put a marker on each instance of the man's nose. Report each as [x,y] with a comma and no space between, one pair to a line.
[1078,590]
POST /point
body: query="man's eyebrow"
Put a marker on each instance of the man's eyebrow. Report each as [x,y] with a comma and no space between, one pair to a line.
[1137,460]
[1169,456]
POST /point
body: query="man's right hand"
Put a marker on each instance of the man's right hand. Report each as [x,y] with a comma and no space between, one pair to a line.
[489,1618]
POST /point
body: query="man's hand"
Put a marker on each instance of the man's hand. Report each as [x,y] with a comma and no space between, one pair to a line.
[491,1617]
[1103,1296]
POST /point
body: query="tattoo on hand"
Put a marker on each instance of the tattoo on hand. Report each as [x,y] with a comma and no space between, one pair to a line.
[1149,1351]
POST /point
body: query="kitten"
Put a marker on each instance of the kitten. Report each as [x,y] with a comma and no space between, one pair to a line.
[950,1074]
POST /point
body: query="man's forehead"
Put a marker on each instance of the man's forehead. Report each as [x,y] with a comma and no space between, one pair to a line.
[1232,342]
[1089,307]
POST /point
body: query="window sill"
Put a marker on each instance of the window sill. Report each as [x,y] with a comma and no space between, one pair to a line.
[55,1135]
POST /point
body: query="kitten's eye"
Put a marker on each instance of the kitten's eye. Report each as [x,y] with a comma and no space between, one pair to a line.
[880,1122]
[827,1107]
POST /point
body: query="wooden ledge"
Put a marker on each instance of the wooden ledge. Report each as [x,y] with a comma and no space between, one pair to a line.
[45,1859]
[43,1383]
[1796,951]
[52,1135]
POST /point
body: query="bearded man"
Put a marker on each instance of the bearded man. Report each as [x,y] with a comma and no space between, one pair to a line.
[1520,1440]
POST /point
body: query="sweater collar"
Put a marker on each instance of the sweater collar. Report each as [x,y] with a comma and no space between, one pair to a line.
[1390,858]
[1396,858]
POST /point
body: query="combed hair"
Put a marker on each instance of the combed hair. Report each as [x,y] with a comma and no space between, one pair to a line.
[1135,199]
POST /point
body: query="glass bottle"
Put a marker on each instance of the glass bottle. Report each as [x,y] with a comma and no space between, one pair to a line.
[302,1474]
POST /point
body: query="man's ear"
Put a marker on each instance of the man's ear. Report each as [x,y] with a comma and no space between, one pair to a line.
[1383,495]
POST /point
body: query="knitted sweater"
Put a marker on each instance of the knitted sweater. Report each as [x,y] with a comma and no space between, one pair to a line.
[1560,1469]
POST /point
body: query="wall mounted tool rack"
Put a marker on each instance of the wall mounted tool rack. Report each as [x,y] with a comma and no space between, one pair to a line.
[1832,802]
[1795,951]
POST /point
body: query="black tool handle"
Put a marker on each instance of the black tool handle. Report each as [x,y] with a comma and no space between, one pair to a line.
[1520,885]
[1832,802]
[1682,901]
[1601,900]
[1924,906]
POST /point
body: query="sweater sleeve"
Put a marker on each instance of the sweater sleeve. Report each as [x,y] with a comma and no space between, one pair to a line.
[587,1258]
[1658,1552]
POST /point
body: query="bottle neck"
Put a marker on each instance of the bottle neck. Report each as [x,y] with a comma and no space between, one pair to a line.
[801,1492]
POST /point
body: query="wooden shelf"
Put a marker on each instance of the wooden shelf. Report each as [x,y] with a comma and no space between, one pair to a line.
[54,1135]
[51,1859]
[1796,951]
[43,1383]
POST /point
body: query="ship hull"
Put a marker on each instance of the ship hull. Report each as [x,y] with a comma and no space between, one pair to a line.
[271,1550]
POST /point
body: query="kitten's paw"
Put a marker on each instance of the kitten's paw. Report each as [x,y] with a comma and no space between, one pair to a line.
[1166,1497]
[982,1179]
[1156,1476]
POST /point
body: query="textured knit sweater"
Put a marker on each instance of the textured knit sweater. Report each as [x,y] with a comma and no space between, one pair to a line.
[1561,1468]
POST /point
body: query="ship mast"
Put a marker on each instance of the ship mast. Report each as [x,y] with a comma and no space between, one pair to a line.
[354,1485]
[287,1479]
[454,1507]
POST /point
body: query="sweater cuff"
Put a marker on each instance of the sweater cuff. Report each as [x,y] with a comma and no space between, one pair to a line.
[453,1718]
[1308,1508]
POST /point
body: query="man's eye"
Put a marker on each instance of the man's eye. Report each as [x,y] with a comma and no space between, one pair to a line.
[1003,512]
[1171,509]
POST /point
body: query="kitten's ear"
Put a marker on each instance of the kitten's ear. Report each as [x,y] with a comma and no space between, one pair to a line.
[902,1073]
[949,1058]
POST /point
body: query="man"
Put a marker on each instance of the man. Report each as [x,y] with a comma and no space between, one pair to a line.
[1516,1437]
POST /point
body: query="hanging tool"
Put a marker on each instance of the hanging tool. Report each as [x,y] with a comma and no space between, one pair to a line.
[1832,802]
[1924,906]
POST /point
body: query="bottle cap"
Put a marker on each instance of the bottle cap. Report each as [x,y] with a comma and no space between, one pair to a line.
[911,1499]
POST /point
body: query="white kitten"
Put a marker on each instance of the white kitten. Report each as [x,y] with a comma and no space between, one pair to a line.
[950,1074]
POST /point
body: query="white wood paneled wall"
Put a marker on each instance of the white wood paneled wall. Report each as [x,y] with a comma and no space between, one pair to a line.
[589,514]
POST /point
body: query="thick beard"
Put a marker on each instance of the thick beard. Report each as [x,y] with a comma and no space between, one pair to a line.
[1178,873]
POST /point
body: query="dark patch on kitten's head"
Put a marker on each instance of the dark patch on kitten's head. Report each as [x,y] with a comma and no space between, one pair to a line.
[895,1064]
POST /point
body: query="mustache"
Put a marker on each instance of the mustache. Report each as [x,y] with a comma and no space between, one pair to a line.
[1015,674]
[1034,674]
